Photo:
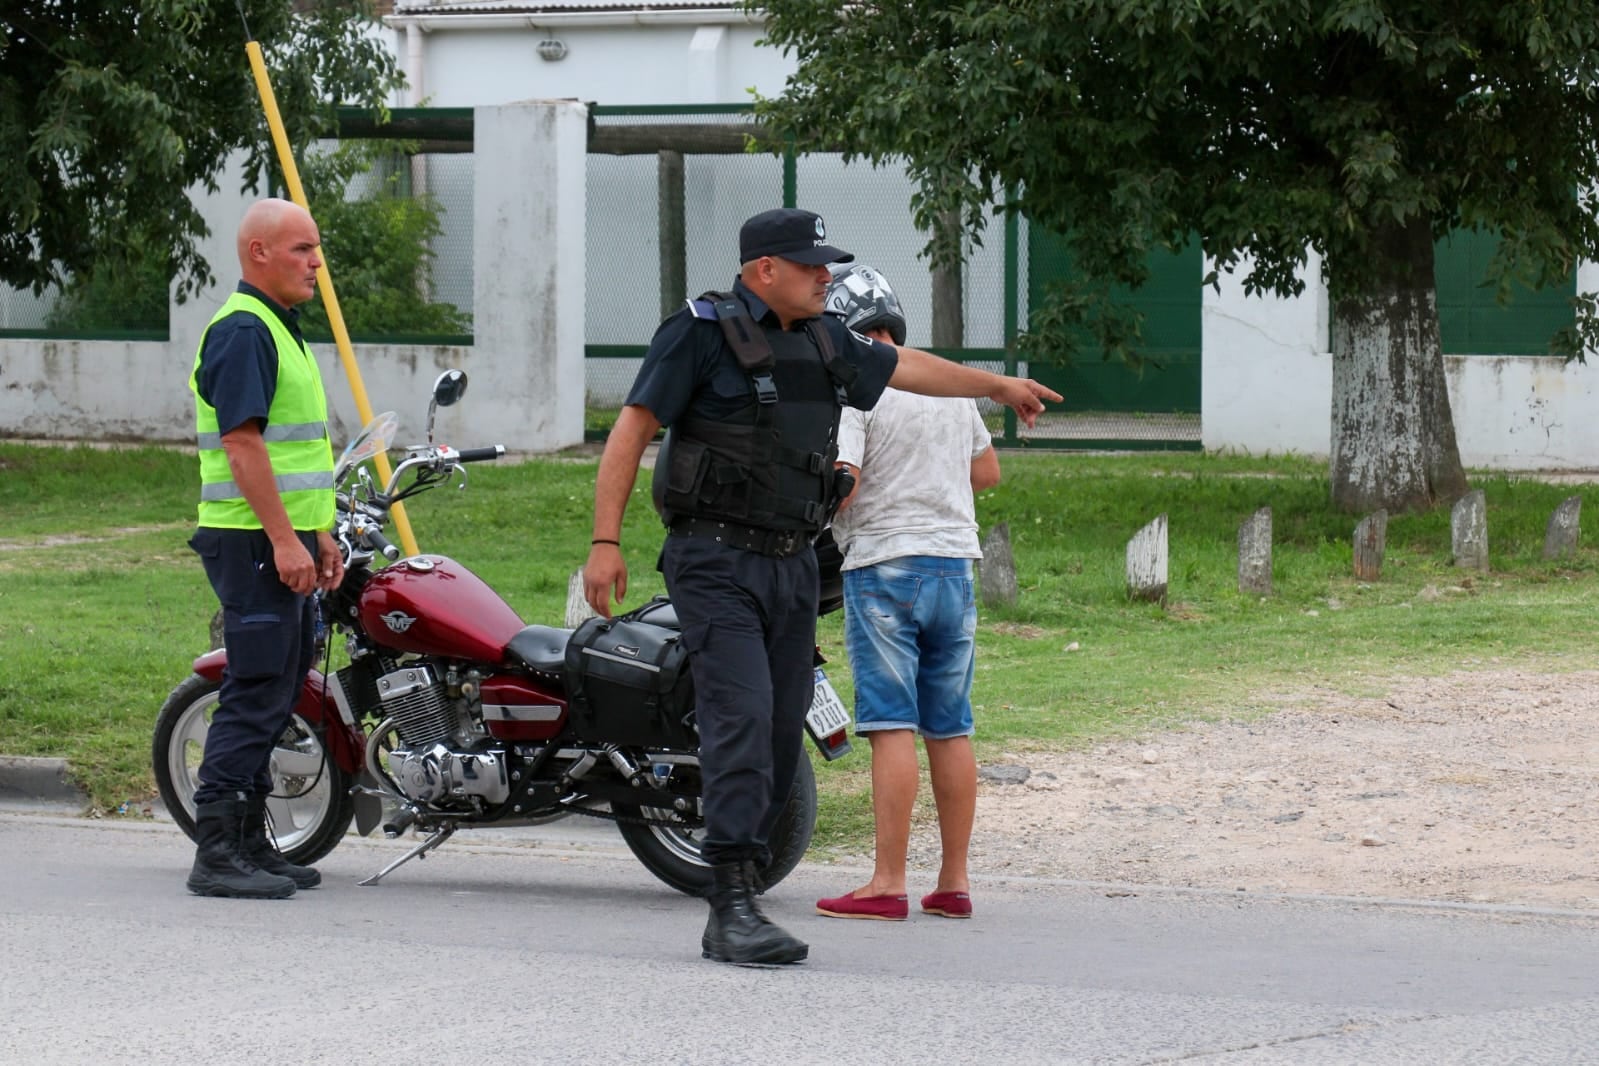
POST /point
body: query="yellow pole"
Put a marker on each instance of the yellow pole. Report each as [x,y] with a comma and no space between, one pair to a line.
[324,280]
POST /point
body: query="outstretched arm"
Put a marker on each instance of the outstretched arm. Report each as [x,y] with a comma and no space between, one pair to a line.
[923,372]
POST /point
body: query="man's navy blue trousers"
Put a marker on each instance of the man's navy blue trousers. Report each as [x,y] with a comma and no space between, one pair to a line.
[269,633]
[749,624]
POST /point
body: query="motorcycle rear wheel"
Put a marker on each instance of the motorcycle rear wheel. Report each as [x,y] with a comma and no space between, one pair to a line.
[310,805]
[673,854]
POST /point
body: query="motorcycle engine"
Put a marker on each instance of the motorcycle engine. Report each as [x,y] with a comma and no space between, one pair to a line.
[438,774]
[438,760]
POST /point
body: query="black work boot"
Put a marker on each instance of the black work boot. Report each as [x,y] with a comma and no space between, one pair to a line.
[259,849]
[737,931]
[220,866]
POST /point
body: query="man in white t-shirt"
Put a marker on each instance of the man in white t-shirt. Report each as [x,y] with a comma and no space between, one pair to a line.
[909,534]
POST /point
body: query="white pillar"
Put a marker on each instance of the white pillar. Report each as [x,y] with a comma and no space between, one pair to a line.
[1267,372]
[528,229]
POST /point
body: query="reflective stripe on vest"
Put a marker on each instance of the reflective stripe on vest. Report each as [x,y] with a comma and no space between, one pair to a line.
[296,436]
[297,431]
[229,490]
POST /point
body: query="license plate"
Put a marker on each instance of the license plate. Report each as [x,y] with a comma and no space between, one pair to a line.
[827,714]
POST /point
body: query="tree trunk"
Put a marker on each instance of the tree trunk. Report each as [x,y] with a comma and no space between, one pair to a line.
[949,318]
[1393,434]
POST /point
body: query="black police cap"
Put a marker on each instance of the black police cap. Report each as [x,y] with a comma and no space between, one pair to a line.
[788,233]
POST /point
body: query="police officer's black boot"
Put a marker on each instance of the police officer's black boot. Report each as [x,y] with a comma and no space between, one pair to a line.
[737,931]
[259,849]
[220,866]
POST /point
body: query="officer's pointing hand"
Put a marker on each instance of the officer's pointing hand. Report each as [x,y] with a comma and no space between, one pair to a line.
[1024,396]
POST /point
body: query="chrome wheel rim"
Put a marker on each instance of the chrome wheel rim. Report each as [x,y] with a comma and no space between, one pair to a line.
[682,843]
[302,793]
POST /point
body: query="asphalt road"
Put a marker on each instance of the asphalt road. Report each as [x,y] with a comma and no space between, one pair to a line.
[555,946]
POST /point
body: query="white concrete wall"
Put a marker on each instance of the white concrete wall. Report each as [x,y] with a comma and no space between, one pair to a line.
[1267,386]
[1524,412]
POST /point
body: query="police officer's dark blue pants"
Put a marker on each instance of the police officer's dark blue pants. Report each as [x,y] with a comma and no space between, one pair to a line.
[749,624]
[268,632]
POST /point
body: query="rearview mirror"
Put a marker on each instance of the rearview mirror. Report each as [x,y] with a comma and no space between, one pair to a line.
[447,390]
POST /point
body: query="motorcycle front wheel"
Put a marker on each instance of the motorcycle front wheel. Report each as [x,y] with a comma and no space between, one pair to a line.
[310,806]
[673,854]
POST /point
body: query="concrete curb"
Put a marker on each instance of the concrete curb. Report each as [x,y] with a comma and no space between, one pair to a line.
[38,783]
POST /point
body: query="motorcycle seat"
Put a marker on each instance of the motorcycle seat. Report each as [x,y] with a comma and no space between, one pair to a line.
[541,648]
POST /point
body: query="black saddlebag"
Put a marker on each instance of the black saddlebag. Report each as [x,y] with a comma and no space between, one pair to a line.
[628,683]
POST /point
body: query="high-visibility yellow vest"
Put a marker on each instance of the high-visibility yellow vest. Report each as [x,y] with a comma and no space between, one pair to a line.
[296,436]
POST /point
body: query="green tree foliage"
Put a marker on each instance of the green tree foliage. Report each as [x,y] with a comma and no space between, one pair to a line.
[110,110]
[375,236]
[1361,130]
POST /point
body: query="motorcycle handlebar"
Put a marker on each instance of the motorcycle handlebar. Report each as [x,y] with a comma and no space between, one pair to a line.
[478,455]
[381,544]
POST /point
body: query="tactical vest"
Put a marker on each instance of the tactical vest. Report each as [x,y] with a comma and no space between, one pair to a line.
[770,465]
[296,436]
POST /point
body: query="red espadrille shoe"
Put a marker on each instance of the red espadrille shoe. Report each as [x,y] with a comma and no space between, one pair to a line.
[948,904]
[878,908]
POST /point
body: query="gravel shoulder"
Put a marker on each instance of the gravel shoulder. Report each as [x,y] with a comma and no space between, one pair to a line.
[1475,787]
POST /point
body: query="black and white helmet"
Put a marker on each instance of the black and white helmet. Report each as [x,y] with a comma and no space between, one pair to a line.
[863,299]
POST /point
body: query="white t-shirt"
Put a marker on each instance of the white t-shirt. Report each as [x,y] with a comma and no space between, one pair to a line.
[915,454]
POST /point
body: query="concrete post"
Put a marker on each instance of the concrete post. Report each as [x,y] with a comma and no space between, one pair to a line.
[529,221]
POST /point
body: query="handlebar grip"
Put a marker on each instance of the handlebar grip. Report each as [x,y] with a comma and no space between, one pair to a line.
[381,544]
[478,455]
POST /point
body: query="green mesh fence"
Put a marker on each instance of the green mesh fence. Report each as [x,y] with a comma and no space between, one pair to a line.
[21,312]
[631,283]
[126,301]
[398,240]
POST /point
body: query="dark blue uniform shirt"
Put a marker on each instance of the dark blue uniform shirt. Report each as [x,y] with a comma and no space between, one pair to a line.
[239,363]
[689,367]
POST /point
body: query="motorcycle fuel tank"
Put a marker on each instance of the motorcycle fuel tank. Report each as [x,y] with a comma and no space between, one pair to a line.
[433,605]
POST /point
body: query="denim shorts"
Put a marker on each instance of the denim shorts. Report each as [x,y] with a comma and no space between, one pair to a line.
[910,627]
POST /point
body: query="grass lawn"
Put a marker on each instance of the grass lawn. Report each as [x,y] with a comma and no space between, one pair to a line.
[102,605]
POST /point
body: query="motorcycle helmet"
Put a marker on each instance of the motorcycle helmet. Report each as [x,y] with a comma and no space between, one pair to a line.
[864,300]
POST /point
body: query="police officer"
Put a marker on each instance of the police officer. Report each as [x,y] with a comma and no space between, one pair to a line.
[751,384]
[266,511]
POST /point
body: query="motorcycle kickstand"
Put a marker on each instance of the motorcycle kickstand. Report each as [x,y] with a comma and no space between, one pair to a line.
[418,852]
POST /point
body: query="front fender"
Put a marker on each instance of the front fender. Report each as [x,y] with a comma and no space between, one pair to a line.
[344,739]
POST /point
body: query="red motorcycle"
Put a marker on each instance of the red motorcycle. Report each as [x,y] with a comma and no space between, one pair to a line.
[451,712]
